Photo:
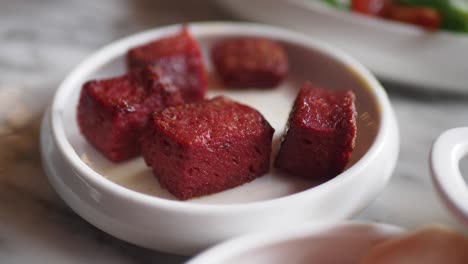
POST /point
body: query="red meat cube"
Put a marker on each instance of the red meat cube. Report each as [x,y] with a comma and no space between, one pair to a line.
[207,147]
[180,59]
[250,62]
[112,113]
[320,135]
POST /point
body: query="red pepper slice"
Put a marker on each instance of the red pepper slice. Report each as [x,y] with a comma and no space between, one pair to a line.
[425,17]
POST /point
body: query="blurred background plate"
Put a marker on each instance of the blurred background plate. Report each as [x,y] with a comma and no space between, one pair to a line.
[394,51]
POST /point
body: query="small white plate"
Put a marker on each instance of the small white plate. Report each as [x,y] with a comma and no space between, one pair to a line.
[342,243]
[394,51]
[126,200]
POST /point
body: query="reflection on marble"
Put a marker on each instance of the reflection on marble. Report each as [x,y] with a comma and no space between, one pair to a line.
[42,40]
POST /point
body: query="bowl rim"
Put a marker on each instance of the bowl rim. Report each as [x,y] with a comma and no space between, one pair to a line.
[114,49]
[250,242]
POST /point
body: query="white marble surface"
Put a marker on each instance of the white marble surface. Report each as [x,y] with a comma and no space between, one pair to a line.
[40,41]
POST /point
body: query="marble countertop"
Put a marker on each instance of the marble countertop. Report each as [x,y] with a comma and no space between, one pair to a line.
[42,40]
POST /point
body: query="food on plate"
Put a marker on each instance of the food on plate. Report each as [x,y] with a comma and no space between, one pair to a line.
[431,245]
[320,133]
[207,147]
[197,147]
[179,57]
[250,62]
[454,12]
[430,14]
[421,16]
[113,112]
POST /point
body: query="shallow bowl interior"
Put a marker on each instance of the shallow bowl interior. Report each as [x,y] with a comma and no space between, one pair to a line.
[306,63]
[337,243]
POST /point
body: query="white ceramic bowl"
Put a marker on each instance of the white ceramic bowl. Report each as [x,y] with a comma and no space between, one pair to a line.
[395,51]
[126,201]
[343,243]
[447,151]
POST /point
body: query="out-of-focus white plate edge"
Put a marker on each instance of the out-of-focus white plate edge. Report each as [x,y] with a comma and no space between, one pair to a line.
[379,23]
[397,29]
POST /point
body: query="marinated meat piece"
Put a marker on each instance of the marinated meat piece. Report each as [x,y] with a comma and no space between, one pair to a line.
[207,147]
[321,134]
[113,112]
[250,62]
[180,59]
